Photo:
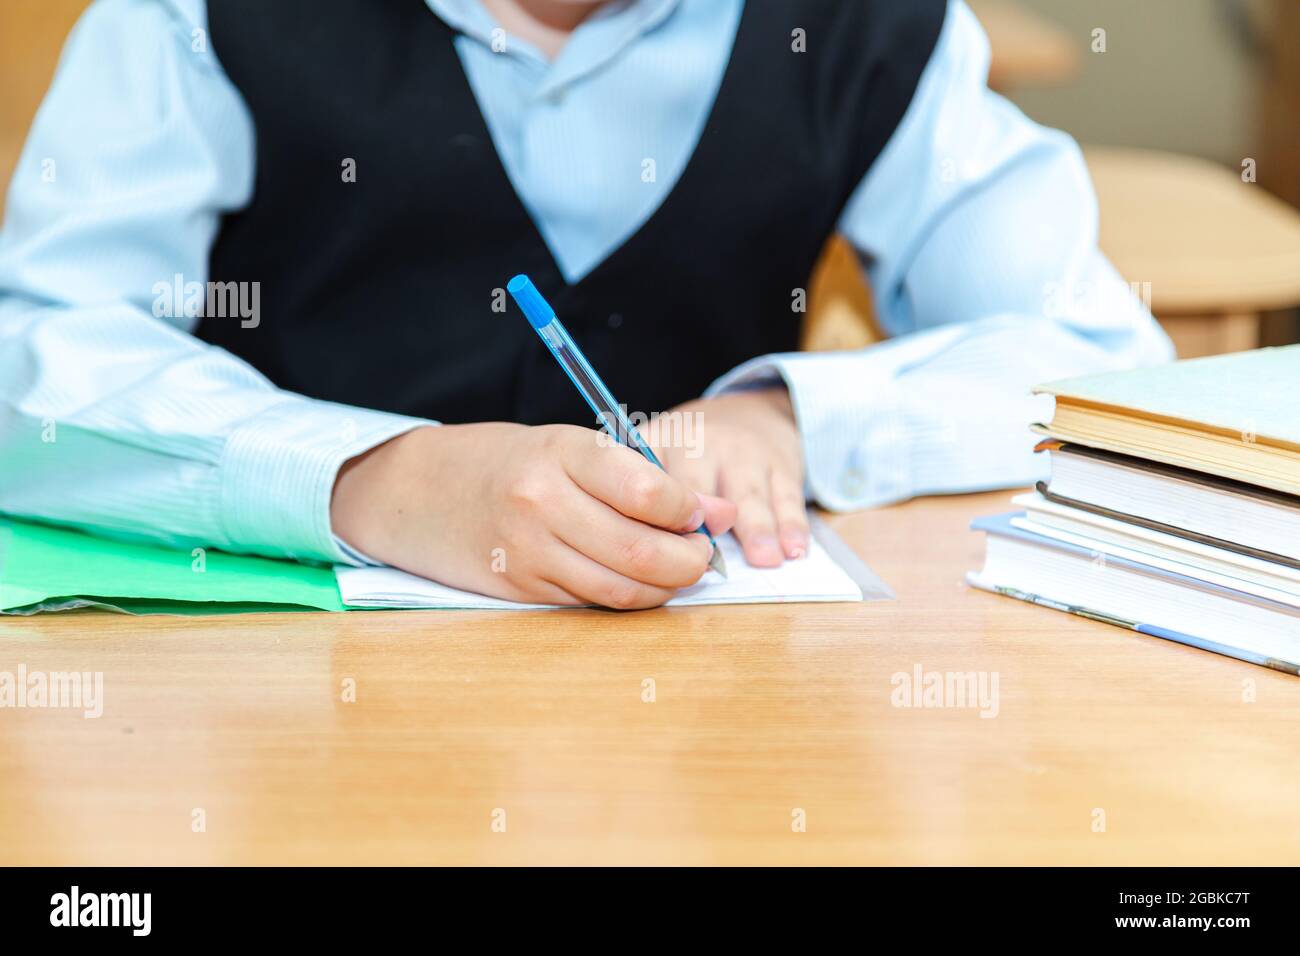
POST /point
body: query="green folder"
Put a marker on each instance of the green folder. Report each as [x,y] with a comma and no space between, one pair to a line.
[48,568]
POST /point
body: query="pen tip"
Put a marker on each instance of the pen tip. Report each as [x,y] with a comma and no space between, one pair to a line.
[717,563]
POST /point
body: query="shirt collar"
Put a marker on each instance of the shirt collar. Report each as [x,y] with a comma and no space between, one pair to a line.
[598,39]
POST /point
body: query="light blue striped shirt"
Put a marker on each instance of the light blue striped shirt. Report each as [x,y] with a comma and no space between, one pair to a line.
[977,229]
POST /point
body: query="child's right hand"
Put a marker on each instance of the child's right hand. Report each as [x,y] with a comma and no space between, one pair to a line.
[550,514]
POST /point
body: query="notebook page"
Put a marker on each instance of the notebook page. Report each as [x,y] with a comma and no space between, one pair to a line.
[816,577]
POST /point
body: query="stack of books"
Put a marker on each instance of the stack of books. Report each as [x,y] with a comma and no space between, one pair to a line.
[1173,507]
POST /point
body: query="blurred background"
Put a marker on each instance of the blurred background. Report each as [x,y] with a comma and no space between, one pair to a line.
[1189,112]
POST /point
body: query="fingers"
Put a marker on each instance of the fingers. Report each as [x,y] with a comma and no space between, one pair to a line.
[633,549]
[771,520]
[791,513]
[701,476]
[746,483]
[719,514]
[536,590]
[631,485]
[593,583]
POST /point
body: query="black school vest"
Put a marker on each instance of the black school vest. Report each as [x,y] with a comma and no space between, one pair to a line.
[381,292]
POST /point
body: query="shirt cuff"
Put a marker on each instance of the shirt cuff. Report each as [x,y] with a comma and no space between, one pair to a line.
[278,471]
[855,452]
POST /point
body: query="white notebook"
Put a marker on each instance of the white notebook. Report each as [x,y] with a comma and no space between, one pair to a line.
[817,577]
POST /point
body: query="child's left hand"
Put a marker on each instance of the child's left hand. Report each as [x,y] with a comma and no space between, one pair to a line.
[745,447]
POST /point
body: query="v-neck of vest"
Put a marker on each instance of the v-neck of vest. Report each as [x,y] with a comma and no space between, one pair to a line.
[556,279]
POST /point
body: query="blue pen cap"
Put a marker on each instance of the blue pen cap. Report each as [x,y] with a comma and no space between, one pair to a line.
[537,309]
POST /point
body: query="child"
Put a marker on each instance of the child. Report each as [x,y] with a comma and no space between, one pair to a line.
[254,252]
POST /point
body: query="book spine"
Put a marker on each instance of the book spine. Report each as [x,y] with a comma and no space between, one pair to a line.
[1189,640]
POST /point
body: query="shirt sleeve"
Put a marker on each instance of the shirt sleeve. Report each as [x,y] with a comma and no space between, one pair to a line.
[113,417]
[978,232]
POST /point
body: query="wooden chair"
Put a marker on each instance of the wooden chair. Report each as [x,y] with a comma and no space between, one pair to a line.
[31,34]
[1028,50]
[1216,250]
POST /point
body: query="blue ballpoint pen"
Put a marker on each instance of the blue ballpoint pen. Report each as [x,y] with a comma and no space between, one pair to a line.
[609,412]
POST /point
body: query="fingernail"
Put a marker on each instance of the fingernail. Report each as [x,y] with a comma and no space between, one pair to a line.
[696,519]
[796,545]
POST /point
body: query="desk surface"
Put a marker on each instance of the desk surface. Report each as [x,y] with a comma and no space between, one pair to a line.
[758,712]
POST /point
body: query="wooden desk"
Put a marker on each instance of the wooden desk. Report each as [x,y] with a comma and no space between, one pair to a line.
[758,711]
